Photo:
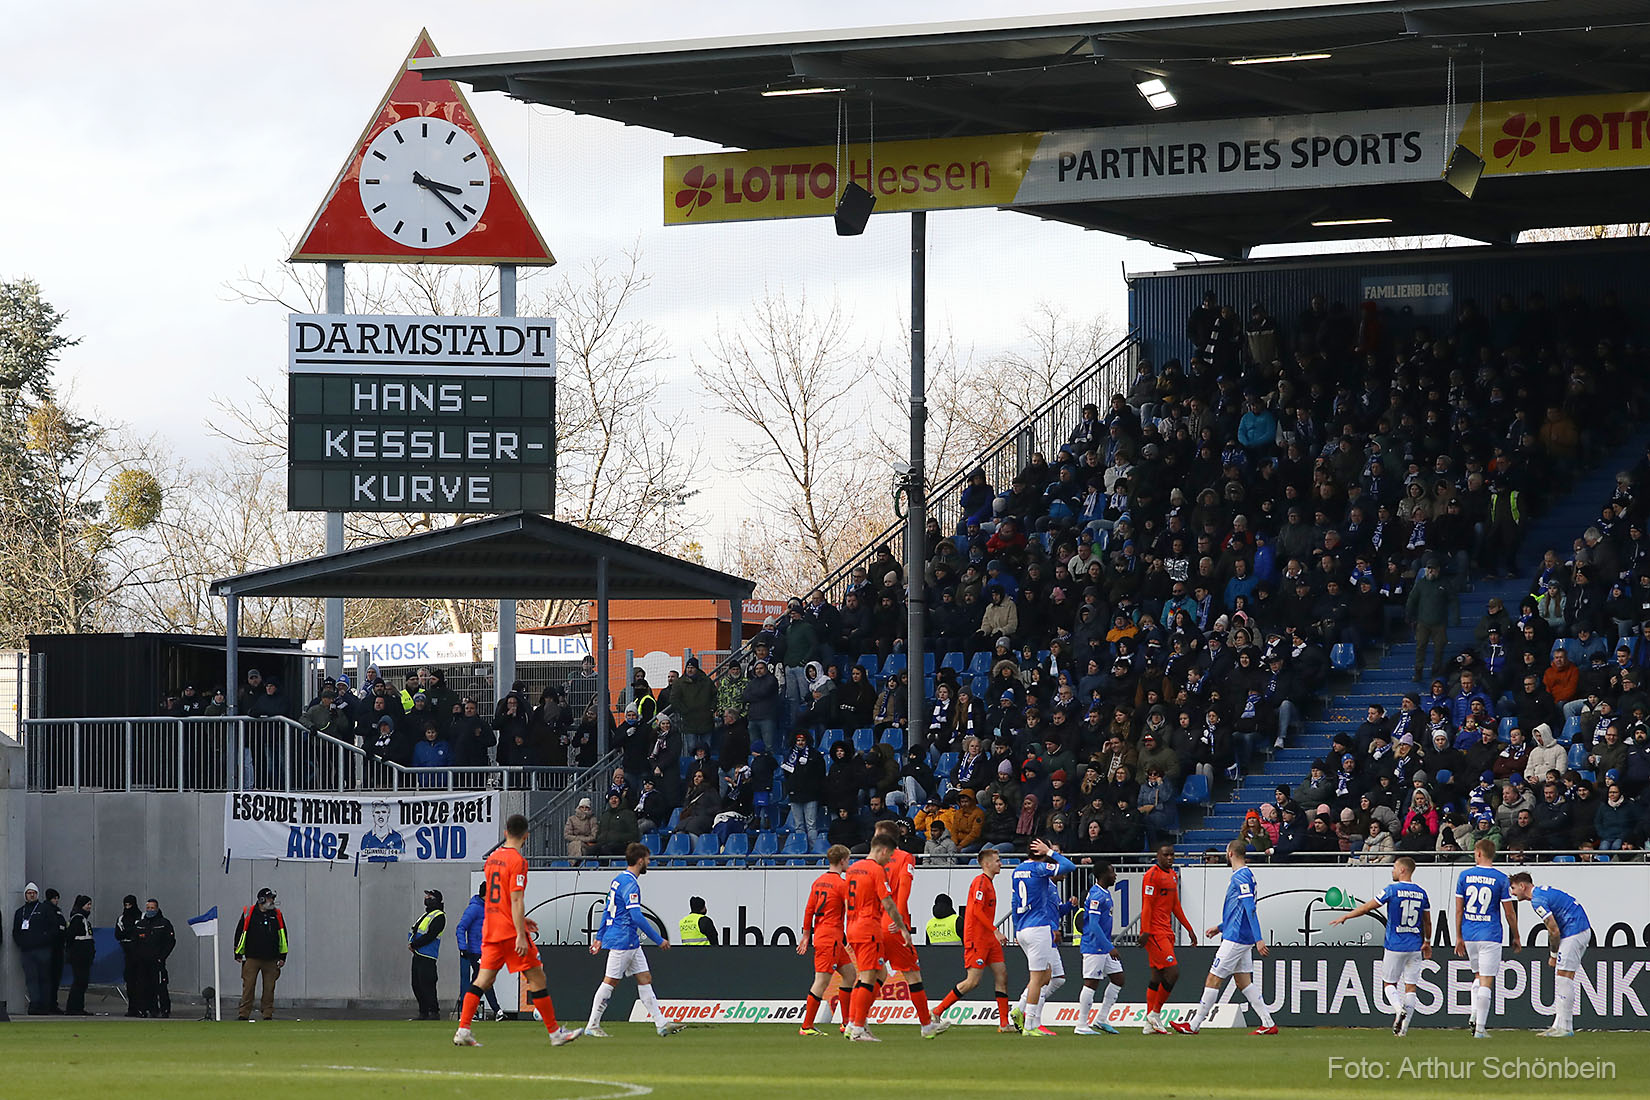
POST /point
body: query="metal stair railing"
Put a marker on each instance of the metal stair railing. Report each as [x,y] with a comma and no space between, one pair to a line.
[545,824]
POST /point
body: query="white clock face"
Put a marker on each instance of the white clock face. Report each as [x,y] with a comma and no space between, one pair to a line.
[424,182]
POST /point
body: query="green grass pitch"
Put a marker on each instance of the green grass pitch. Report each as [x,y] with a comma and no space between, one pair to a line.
[356,1060]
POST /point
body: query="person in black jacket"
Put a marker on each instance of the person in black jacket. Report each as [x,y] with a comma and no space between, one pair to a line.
[80,950]
[126,936]
[55,974]
[35,928]
[156,938]
[424,944]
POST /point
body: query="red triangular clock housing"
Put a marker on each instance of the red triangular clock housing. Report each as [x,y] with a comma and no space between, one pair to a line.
[341,229]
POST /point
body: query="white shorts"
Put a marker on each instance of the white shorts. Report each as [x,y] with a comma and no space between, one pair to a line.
[1101,966]
[1038,944]
[1570,949]
[622,964]
[1402,967]
[1233,958]
[1485,956]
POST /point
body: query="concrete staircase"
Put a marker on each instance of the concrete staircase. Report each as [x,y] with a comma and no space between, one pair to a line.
[1386,681]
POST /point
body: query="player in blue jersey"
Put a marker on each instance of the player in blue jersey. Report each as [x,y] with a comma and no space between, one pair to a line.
[1408,938]
[1569,934]
[1100,961]
[623,925]
[1036,923]
[1239,930]
[1481,897]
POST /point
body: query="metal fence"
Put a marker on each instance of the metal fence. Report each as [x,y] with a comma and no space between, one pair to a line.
[14,693]
[545,823]
[236,754]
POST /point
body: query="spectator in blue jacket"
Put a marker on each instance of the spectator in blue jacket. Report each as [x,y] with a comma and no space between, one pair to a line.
[977,496]
[1243,583]
[432,752]
[1461,704]
[469,950]
[1257,428]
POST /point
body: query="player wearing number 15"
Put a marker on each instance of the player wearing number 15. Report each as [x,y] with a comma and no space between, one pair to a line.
[1481,897]
[1569,933]
[1408,938]
[504,938]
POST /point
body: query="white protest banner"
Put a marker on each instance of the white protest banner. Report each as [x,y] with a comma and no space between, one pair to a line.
[369,828]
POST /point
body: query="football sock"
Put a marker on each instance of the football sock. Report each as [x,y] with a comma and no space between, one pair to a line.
[598,1005]
[1564,993]
[1155,996]
[861,1005]
[919,1001]
[1480,1007]
[540,999]
[1109,999]
[650,1000]
[1049,990]
[1085,1002]
[1412,1001]
[1034,1015]
[810,1011]
[1002,1009]
[950,999]
[1020,1005]
[844,995]
[1205,1006]
[1252,992]
[468,1012]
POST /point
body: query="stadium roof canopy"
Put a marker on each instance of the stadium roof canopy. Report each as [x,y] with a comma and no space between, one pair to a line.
[1037,73]
[519,555]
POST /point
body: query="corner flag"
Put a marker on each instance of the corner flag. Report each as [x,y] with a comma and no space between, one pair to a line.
[206,924]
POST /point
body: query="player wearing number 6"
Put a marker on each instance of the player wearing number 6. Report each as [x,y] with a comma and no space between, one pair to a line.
[1481,897]
[1239,928]
[1408,938]
[1569,933]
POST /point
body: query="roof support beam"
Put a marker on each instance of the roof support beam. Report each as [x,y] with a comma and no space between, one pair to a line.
[914,92]
[651,116]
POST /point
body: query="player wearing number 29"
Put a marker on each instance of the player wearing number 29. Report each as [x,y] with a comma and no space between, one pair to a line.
[1481,896]
[1408,938]
[504,938]
[1239,928]
[623,924]
[1569,933]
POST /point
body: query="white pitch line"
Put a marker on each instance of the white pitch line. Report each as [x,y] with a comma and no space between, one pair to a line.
[627,1088]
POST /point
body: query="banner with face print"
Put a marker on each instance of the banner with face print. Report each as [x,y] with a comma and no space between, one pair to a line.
[366,828]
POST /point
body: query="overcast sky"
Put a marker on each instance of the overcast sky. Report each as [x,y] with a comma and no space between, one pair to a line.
[160,149]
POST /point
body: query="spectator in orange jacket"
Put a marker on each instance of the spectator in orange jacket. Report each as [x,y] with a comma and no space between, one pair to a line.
[1562,679]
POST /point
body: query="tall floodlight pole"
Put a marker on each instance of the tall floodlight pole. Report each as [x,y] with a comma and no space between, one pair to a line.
[335,520]
[504,659]
[916,500]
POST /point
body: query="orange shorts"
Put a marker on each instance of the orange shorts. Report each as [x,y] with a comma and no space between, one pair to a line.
[901,956]
[829,954]
[976,957]
[1160,952]
[501,955]
[866,952]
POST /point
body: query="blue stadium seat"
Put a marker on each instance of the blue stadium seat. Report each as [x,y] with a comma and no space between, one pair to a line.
[928,686]
[870,662]
[1196,790]
[1571,648]
[1342,656]
[767,844]
[675,820]
[1564,859]
[948,763]
[1572,726]
[979,685]
[654,841]
[796,845]
[954,661]
[843,662]
[762,804]
[980,664]
[1578,756]
[1506,726]
[928,663]
[1042,657]
[827,739]
[894,736]
[1587,774]
[820,845]
[739,844]
[894,664]
[681,844]
[705,844]
[863,740]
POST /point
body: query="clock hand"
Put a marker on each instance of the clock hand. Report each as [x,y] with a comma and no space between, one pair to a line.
[430,186]
[426,182]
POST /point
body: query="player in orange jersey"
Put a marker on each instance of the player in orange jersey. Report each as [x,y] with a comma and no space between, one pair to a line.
[899,950]
[1159,909]
[504,938]
[872,918]
[823,922]
[982,942]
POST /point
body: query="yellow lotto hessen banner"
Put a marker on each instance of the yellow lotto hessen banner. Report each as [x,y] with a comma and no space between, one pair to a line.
[1574,134]
[946,173]
[1159,159]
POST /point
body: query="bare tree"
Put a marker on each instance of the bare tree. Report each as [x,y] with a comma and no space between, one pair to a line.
[1586,232]
[791,373]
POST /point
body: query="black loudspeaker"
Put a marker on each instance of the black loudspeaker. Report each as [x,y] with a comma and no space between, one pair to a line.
[853,210]
[1463,170]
